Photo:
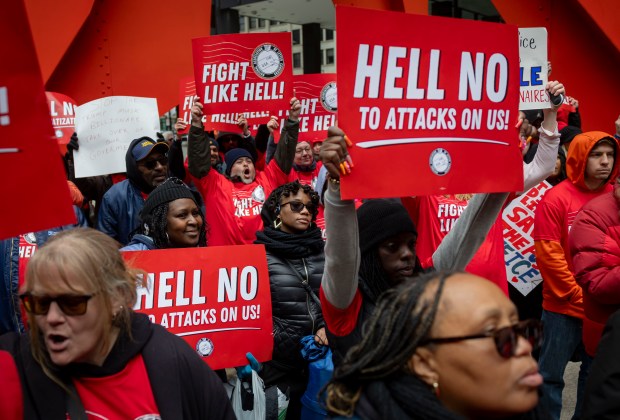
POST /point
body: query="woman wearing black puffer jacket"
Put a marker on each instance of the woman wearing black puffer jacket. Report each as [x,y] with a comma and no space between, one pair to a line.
[295,259]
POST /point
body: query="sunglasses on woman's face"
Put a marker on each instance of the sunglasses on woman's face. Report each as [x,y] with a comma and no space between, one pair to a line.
[298,206]
[70,305]
[505,338]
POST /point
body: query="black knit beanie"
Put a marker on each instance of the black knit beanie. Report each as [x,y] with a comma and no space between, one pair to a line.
[379,220]
[233,155]
[170,190]
[568,133]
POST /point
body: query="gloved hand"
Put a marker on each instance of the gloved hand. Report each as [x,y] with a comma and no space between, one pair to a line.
[244,372]
[73,143]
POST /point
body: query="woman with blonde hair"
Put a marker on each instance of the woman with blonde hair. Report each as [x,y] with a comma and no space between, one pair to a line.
[88,352]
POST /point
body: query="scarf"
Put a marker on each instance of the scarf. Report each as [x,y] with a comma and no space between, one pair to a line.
[291,245]
[305,168]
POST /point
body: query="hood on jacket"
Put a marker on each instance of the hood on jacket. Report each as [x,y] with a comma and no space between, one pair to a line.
[578,152]
[133,174]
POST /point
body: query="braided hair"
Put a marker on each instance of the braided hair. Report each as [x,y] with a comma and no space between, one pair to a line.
[155,225]
[400,323]
[272,204]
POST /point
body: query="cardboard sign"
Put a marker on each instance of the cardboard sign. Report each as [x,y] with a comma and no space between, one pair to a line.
[249,73]
[217,299]
[519,253]
[533,69]
[106,126]
[318,95]
[62,111]
[435,102]
[35,196]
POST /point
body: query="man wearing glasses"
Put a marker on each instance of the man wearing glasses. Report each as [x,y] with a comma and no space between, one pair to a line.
[147,167]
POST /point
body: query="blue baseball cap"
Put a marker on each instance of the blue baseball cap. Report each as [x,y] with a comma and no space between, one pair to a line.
[146,146]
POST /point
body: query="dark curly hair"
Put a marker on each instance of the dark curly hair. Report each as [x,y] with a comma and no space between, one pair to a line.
[155,225]
[273,202]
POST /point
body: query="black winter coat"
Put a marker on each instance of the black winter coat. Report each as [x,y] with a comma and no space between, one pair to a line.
[295,314]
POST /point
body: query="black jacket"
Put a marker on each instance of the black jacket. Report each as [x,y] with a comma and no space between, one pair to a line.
[183,385]
[295,313]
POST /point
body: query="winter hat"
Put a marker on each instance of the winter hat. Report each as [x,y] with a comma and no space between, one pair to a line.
[146,146]
[170,190]
[212,142]
[568,133]
[379,220]
[231,157]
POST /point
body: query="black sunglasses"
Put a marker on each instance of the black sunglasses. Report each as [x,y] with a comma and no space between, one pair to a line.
[298,206]
[70,305]
[505,338]
[151,164]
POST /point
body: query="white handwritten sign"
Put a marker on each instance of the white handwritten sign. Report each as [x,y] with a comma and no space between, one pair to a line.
[533,68]
[106,126]
[519,253]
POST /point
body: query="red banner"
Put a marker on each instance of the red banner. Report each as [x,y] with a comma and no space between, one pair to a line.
[243,73]
[62,111]
[28,150]
[435,102]
[216,298]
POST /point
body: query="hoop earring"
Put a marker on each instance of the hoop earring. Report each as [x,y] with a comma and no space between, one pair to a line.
[277,223]
[436,389]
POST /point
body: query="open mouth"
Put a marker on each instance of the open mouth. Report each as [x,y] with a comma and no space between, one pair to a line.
[56,342]
[246,173]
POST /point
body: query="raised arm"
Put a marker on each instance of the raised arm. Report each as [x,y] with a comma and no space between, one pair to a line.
[285,151]
[342,251]
[549,140]
[198,151]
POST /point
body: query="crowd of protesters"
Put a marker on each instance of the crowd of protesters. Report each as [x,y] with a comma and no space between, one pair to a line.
[416,309]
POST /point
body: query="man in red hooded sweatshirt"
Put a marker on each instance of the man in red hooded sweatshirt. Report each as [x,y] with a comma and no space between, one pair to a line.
[590,165]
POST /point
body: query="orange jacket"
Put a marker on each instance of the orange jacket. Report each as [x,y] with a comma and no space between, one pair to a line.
[554,217]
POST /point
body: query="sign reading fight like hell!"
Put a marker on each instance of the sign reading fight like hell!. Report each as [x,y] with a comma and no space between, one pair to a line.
[318,96]
[220,122]
[430,108]
[62,111]
[217,299]
[29,154]
[243,73]
[519,252]
[533,69]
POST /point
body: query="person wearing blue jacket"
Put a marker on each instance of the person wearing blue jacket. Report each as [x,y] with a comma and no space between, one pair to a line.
[147,167]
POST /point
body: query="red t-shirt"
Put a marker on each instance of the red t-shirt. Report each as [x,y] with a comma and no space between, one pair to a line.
[125,395]
[233,209]
[434,216]
[306,178]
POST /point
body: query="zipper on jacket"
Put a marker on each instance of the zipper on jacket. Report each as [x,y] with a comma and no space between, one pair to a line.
[306,282]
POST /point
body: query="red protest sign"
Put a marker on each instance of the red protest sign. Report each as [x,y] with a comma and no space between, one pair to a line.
[243,73]
[28,150]
[216,298]
[319,104]
[431,107]
[187,91]
[62,111]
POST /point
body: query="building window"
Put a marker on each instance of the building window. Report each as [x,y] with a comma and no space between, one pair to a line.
[261,23]
[297,60]
[241,23]
[253,23]
[328,34]
[274,22]
[329,56]
[296,37]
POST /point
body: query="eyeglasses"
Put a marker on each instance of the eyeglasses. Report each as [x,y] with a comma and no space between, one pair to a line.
[151,164]
[505,338]
[301,151]
[298,206]
[70,305]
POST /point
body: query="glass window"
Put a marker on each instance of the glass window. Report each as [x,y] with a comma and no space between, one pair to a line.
[274,22]
[329,34]
[253,23]
[297,60]
[296,36]
[329,56]
[262,23]
[241,23]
